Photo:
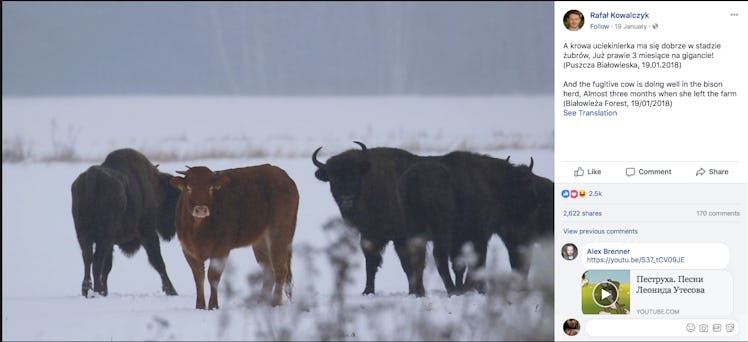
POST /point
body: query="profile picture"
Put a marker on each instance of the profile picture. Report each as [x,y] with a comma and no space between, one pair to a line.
[569,251]
[571,327]
[573,20]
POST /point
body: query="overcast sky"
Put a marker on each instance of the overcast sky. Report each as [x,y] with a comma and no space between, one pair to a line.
[318,48]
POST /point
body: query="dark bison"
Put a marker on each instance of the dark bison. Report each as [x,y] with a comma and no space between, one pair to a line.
[125,201]
[363,183]
[525,212]
[222,210]
[428,205]
[464,197]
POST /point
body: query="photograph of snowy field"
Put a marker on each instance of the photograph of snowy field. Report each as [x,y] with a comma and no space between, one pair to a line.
[234,84]
[48,141]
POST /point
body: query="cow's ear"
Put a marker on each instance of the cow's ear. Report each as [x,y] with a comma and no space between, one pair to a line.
[321,174]
[365,167]
[222,181]
[177,182]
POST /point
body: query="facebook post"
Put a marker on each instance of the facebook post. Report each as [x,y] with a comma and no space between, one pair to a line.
[347,171]
[651,175]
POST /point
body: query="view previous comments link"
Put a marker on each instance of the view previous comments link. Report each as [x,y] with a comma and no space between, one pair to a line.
[639,86]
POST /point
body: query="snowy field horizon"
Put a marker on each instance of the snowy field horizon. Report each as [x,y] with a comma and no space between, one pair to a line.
[48,141]
[169,128]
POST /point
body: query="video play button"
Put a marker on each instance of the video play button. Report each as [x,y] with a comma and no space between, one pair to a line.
[605,294]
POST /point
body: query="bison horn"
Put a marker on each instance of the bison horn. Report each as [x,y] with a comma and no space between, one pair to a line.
[507,158]
[363,147]
[316,162]
[532,162]
[184,172]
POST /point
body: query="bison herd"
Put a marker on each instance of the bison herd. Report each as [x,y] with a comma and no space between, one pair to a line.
[387,194]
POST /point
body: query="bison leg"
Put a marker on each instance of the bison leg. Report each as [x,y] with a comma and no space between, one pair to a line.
[153,249]
[471,282]
[517,260]
[103,251]
[107,268]
[198,273]
[87,252]
[441,257]
[458,267]
[412,256]
[214,277]
[373,254]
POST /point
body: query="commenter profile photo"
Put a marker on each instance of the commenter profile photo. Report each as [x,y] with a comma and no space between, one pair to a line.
[572,327]
[573,20]
[569,251]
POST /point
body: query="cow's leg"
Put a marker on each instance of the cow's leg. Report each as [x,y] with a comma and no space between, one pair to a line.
[153,249]
[481,249]
[214,277]
[198,273]
[261,249]
[280,256]
[373,254]
[412,254]
[87,253]
[103,250]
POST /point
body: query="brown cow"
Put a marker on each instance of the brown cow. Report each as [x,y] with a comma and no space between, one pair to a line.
[222,210]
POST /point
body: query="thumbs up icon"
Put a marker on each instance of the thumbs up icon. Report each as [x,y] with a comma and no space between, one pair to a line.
[578,172]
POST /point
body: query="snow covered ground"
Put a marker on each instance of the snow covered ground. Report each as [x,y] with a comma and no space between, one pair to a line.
[47,142]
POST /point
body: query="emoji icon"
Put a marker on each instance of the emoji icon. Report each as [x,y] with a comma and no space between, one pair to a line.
[582,193]
[565,193]
[574,194]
